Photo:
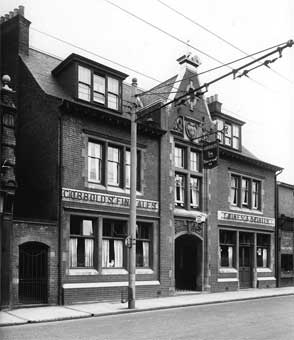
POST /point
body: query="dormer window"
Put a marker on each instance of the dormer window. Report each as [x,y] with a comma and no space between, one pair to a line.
[228,134]
[98,88]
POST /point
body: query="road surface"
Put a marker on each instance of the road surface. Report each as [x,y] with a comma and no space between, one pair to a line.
[266,318]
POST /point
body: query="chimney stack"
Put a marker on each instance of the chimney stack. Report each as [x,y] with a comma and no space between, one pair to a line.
[189,61]
[213,104]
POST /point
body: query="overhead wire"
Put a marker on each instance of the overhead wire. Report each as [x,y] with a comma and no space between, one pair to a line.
[95,54]
[234,72]
[216,35]
[214,68]
[171,36]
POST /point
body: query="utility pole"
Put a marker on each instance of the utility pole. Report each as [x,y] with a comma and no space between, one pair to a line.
[133,191]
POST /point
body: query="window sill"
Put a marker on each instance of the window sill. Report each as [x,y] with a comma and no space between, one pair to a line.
[144,271]
[263,270]
[246,210]
[225,270]
[114,271]
[93,185]
[82,271]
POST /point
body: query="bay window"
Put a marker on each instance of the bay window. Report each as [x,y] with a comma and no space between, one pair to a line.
[81,243]
[228,133]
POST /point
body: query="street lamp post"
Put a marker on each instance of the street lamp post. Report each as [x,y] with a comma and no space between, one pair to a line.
[133,190]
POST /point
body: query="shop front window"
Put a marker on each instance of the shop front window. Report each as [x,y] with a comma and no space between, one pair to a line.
[81,242]
[227,246]
[143,245]
[263,250]
[113,235]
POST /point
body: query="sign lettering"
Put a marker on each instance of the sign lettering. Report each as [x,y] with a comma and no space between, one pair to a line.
[73,195]
[252,219]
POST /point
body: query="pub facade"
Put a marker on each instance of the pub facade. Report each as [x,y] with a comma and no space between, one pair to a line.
[205,204]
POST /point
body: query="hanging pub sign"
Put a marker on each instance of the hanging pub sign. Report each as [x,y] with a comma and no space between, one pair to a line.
[210,154]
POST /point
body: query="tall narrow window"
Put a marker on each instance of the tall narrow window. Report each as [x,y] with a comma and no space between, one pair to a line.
[194,161]
[81,243]
[179,157]
[220,129]
[95,162]
[245,191]
[99,89]
[113,235]
[263,250]
[113,166]
[143,245]
[256,194]
[195,192]
[227,246]
[84,88]
[128,169]
[113,93]
[180,190]
[236,137]
[234,190]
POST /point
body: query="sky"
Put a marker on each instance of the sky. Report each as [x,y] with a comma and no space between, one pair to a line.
[265,101]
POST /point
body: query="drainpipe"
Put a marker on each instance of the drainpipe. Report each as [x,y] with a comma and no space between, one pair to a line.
[277,231]
[59,190]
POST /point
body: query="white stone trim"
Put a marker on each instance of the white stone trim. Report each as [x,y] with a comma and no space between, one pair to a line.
[144,271]
[81,271]
[263,270]
[228,270]
[228,279]
[107,284]
[114,271]
[266,278]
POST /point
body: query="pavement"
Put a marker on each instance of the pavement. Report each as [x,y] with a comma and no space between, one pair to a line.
[28,315]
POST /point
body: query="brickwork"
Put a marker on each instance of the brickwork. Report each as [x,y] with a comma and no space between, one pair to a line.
[45,233]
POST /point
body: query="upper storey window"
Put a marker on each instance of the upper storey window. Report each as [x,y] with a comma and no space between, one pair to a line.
[98,88]
[229,134]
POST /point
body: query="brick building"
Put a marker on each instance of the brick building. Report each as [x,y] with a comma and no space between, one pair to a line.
[197,228]
[285,234]
[241,211]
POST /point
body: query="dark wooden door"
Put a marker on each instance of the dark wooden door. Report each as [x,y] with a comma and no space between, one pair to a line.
[245,266]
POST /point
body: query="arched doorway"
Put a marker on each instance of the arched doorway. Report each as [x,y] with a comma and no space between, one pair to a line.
[188,262]
[33,273]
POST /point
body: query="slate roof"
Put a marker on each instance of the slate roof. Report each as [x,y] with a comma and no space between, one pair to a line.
[41,65]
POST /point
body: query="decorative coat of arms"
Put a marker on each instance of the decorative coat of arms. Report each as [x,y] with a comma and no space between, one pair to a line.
[191,129]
